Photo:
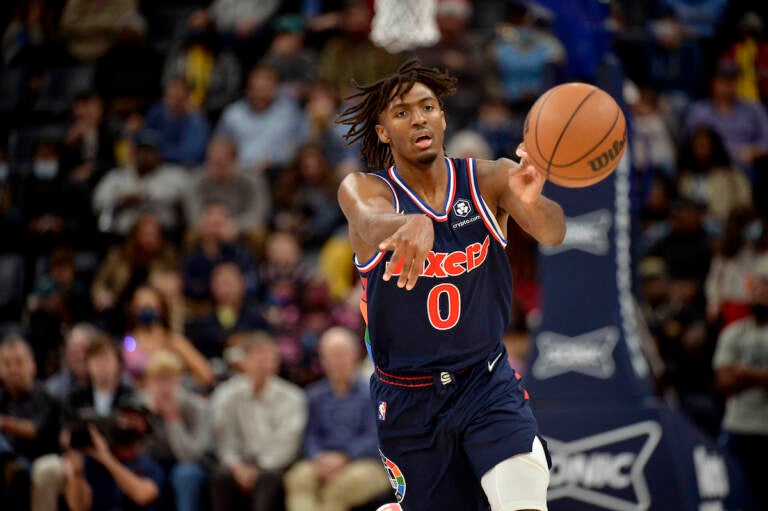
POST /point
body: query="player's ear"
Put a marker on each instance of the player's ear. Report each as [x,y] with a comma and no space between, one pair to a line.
[382,133]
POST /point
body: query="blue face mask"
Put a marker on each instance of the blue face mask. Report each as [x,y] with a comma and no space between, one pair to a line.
[147,316]
[753,231]
[3,172]
[45,170]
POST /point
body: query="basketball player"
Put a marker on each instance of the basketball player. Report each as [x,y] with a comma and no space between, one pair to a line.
[454,425]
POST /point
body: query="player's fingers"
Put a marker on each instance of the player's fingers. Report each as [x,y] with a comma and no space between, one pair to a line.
[395,262]
[415,272]
[405,271]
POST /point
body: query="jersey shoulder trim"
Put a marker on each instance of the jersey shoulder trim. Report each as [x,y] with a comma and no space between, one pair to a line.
[391,189]
[489,220]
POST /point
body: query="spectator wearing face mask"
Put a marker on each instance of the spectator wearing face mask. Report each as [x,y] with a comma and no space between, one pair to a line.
[741,368]
[149,332]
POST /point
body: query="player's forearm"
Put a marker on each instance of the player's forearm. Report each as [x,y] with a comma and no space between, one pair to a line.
[545,221]
[375,228]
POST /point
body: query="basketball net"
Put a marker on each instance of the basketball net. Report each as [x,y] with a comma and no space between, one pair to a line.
[400,25]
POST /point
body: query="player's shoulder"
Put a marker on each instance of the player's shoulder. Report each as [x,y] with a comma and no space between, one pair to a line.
[365,182]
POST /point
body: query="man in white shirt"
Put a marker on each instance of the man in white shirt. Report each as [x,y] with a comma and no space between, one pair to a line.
[146,185]
[259,422]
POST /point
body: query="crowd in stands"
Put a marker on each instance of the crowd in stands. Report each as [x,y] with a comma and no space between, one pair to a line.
[178,310]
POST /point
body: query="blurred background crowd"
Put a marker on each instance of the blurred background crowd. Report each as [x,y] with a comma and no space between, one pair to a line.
[177,300]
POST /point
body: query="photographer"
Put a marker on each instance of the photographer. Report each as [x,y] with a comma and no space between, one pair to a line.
[115,474]
[180,429]
[96,400]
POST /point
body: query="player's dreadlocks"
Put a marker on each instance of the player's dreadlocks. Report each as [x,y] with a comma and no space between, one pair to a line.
[371,100]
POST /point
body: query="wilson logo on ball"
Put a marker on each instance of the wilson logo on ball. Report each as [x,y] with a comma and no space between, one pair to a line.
[599,163]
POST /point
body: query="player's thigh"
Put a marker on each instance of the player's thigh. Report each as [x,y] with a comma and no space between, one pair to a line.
[520,482]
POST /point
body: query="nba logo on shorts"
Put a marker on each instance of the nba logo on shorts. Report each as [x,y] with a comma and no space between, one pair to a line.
[382,410]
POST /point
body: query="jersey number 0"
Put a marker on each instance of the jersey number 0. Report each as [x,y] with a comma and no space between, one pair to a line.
[449,294]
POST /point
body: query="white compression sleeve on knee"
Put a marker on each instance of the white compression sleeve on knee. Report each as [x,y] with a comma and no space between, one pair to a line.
[519,482]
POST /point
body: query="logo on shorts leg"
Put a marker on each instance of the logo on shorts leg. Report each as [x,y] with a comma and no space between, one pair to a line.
[382,411]
[396,477]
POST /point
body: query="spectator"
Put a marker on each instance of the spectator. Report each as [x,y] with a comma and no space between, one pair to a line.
[245,194]
[305,198]
[351,54]
[128,75]
[28,421]
[708,177]
[11,219]
[148,185]
[322,107]
[113,474]
[74,370]
[168,280]
[90,27]
[183,129]
[459,53]
[741,365]
[245,25]
[259,422]
[750,53]
[51,214]
[284,277]
[89,145]
[59,300]
[148,332]
[525,54]
[340,469]
[737,253]
[28,40]
[686,248]
[128,265]
[295,64]
[179,434]
[469,144]
[263,125]
[232,312]
[212,71]
[498,125]
[653,147]
[743,126]
[216,241]
[98,398]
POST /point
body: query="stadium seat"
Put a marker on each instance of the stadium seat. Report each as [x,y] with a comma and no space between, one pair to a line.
[59,88]
[11,286]
[13,89]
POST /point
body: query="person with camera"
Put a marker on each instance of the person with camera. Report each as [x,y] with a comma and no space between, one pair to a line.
[113,473]
[28,421]
[180,433]
[93,401]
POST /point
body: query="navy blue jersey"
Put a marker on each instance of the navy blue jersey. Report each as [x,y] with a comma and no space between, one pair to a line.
[459,309]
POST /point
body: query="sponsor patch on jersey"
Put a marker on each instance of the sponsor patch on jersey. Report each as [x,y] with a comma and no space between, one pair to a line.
[462,208]
[382,414]
[396,477]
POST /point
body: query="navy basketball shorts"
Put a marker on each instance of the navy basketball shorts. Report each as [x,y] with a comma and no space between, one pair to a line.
[439,434]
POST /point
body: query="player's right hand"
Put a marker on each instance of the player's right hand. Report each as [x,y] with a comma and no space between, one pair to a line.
[410,245]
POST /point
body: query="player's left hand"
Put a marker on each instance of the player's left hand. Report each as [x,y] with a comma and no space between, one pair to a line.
[525,180]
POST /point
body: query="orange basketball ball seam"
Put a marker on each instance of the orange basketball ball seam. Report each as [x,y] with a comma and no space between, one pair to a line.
[565,128]
[598,144]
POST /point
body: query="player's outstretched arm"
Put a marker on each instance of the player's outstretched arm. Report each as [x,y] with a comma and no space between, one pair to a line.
[516,188]
[375,226]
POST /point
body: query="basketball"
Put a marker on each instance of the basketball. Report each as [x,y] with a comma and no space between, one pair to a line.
[576,134]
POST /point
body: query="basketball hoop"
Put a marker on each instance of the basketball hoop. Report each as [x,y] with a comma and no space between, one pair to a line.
[400,25]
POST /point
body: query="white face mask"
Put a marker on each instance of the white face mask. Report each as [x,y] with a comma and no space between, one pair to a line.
[45,170]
